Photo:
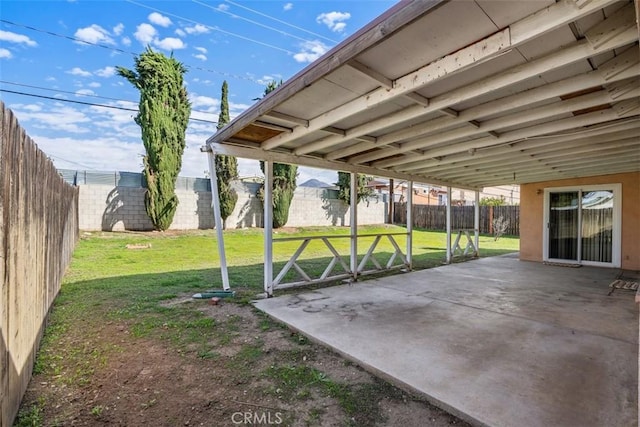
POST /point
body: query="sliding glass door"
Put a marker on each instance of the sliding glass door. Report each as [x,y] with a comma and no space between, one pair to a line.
[582,225]
[564,216]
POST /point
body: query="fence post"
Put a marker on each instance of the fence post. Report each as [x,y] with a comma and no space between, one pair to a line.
[448,221]
[268,227]
[354,224]
[490,219]
[476,223]
[409,225]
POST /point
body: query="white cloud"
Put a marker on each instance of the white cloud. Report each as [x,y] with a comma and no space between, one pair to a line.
[200,57]
[145,33]
[180,32]
[310,51]
[8,36]
[169,43]
[197,29]
[77,71]
[334,20]
[50,79]
[85,92]
[158,19]
[223,7]
[288,6]
[201,49]
[94,84]
[5,53]
[126,41]
[61,118]
[106,72]
[94,34]
[118,29]
[27,107]
[267,78]
[102,153]
[206,102]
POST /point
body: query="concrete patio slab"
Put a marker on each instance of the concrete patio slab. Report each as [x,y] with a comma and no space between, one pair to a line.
[496,341]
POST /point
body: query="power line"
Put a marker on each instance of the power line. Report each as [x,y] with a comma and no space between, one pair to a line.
[280,21]
[233,15]
[212,28]
[70,161]
[74,39]
[82,94]
[115,49]
[114,107]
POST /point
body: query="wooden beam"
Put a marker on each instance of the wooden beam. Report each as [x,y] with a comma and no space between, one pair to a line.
[511,102]
[621,129]
[512,155]
[543,129]
[622,66]
[623,19]
[272,126]
[371,74]
[409,83]
[553,17]
[529,160]
[315,162]
[288,118]
[527,29]
[521,118]
[418,99]
[397,17]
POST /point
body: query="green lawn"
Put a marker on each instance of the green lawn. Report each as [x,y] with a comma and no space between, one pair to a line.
[109,283]
[108,280]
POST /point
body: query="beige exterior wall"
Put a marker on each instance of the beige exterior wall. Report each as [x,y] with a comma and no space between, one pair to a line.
[532,207]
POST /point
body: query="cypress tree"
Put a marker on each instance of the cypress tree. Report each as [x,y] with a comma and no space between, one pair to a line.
[163,116]
[344,187]
[284,180]
[226,166]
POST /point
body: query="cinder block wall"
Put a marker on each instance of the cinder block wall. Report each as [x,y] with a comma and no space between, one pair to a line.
[108,208]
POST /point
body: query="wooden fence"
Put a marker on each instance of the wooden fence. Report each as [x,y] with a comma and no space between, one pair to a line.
[435,217]
[38,233]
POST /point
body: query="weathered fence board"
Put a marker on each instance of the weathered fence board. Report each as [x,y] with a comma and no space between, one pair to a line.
[435,217]
[38,233]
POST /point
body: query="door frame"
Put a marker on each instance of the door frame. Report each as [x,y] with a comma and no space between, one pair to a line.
[616,249]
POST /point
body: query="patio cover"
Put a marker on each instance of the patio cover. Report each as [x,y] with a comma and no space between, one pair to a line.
[467,94]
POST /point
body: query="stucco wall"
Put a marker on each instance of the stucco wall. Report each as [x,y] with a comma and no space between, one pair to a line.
[532,207]
[109,208]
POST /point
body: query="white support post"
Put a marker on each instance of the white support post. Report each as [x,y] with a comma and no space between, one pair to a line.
[268,227]
[448,225]
[409,225]
[476,223]
[354,224]
[215,204]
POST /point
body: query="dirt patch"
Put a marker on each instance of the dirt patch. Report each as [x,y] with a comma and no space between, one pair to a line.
[257,373]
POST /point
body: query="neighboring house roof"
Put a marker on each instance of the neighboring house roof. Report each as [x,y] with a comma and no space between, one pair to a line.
[469,94]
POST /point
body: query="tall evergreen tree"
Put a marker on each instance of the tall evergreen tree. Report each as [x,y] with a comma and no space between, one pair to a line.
[163,116]
[284,180]
[344,187]
[226,166]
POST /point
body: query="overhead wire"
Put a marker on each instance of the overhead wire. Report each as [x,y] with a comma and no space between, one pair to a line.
[81,94]
[233,15]
[92,104]
[116,49]
[280,21]
[211,27]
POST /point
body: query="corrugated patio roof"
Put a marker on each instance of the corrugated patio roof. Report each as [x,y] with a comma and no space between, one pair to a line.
[468,94]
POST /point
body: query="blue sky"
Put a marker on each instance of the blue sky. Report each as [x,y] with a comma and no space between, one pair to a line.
[248,43]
